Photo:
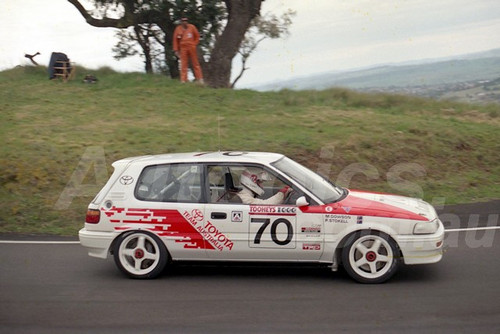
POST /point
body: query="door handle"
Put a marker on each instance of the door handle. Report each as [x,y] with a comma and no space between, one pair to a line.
[218,215]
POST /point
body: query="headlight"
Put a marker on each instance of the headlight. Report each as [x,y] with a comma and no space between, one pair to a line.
[426,227]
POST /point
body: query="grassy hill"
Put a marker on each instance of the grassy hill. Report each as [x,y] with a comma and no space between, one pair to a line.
[389,143]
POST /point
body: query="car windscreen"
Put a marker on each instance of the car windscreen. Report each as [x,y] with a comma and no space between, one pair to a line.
[326,191]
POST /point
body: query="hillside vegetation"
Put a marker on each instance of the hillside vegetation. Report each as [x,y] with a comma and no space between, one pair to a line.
[439,150]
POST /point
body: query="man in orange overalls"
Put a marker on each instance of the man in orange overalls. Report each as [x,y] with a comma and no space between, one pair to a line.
[186,38]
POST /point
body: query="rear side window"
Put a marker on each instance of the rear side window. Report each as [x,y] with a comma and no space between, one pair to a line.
[170,183]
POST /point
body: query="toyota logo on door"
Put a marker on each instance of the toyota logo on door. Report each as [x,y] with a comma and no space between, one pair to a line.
[197,215]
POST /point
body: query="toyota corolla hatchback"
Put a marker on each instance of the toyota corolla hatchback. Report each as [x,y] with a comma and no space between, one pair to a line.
[196,207]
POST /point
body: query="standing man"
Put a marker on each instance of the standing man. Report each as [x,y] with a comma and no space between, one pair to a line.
[186,38]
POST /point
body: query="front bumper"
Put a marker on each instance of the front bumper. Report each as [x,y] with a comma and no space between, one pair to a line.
[422,249]
[97,243]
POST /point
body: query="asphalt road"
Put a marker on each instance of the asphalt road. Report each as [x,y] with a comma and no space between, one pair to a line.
[57,288]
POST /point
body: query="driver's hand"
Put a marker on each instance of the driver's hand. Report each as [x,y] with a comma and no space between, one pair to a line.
[286,190]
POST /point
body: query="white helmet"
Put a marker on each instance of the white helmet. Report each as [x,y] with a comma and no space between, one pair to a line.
[251,181]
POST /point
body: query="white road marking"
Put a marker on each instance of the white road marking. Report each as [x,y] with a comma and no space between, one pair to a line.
[473,229]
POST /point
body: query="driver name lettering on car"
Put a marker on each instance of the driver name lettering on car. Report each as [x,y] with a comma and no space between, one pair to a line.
[342,219]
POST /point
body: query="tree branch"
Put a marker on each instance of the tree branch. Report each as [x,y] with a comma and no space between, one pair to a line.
[243,69]
[128,19]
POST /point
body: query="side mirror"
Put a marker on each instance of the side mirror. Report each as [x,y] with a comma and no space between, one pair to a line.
[301,201]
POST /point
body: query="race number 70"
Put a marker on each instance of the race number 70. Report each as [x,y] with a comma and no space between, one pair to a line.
[278,233]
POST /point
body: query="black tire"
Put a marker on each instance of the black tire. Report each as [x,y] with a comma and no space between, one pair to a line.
[140,255]
[370,257]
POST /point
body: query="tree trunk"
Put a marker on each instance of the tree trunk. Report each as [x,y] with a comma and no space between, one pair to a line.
[148,64]
[143,41]
[240,14]
[172,63]
[171,60]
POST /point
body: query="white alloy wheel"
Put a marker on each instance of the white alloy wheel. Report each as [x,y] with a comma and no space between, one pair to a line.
[140,255]
[371,258]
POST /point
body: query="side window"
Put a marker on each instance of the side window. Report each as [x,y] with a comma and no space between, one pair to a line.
[170,183]
[270,186]
[216,183]
[224,183]
[222,186]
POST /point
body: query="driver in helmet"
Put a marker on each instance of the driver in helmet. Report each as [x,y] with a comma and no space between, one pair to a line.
[252,189]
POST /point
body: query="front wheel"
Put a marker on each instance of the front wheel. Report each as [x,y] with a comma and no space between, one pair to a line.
[140,255]
[370,258]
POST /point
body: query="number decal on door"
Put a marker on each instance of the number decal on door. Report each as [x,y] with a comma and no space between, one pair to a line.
[281,232]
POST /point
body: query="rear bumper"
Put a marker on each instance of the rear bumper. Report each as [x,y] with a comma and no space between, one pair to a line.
[97,243]
[422,249]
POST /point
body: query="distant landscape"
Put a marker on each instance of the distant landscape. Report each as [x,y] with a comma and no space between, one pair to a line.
[471,78]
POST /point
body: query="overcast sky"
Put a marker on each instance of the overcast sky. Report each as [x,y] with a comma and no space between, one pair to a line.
[327,35]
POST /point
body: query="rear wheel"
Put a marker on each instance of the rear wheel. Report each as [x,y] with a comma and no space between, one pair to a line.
[370,258]
[140,255]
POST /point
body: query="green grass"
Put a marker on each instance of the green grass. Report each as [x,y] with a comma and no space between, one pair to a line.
[391,143]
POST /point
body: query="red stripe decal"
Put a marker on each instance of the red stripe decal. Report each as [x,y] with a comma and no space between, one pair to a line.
[165,223]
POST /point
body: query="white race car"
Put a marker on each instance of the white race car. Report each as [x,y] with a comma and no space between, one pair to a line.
[190,207]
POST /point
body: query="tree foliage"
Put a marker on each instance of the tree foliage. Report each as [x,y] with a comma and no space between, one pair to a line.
[146,28]
[146,40]
[263,27]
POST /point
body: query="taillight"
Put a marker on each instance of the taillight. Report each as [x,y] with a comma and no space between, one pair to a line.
[93,216]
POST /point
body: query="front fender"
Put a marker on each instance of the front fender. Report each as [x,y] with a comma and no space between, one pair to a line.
[335,242]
